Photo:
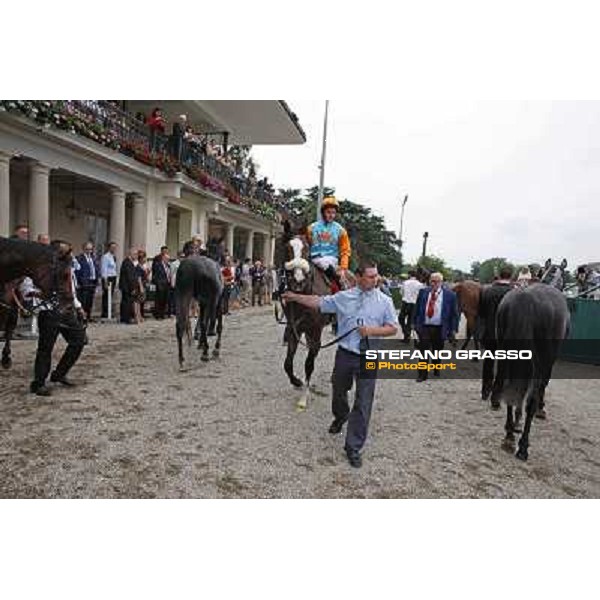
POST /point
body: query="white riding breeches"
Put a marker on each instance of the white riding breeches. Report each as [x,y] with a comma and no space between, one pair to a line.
[325,261]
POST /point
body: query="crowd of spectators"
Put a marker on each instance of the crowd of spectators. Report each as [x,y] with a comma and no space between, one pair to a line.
[169,146]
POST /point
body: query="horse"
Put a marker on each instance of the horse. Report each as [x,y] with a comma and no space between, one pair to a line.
[468,294]
[49,267]
[199,278]
[534,318]
[301,276]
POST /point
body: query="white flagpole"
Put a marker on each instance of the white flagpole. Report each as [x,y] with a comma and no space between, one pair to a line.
[322,165]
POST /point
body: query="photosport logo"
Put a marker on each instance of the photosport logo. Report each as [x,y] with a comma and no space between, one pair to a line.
[391,359]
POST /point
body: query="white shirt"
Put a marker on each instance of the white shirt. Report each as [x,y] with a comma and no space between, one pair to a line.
[410,290]
[436,319]
[108,266]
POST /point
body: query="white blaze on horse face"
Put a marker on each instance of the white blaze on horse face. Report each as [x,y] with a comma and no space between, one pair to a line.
[298,264]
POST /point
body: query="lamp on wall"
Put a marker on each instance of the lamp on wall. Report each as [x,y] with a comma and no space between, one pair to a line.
[71,209]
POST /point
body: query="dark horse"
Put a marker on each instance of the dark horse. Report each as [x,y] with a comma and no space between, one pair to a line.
[534,318]
[199,278]
[304,278]
[50,269]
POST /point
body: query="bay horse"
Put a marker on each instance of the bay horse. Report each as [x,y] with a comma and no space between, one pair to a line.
[301,276]
[534,318]
[49,267]
[199,278]
[468,294]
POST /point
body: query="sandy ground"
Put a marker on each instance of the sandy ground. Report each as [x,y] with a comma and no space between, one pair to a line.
[136,427]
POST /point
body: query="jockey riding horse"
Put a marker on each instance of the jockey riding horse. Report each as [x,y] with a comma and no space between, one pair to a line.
[330,245]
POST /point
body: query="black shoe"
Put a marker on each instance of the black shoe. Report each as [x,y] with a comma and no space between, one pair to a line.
[40,390]
[354,459]
[62,380]
[336,425]
[436,373]
[421,379]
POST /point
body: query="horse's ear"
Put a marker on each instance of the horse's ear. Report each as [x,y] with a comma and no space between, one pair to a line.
[548,263]
[563,264]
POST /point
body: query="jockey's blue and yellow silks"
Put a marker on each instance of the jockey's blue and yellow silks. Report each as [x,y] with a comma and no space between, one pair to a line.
[329,239]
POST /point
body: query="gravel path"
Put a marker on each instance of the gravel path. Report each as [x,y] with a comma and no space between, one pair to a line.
[137,427]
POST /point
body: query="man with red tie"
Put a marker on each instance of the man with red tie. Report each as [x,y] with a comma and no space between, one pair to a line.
[436,317]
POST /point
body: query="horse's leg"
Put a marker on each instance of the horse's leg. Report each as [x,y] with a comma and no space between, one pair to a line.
[468,338]
[202,339]
[182,324]
[9,327]
[288,365]
[531,407]
[498,385]
[509,438]
[217,349]
[314,345]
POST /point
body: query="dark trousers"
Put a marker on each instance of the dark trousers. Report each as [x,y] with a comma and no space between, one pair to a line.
[430,338]
[126,308]
[258,289]
[346,371]
[226,295]
[86,296]
[171,308]
[49,326]
[407,314]
[161,299]
[105,283]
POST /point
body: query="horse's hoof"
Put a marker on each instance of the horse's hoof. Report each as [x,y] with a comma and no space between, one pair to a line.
[6,363]
[181,368]
[205,358]
[522,454]
[495,405]
[508,445]
[301,406]
[296,382]
[216,354]
[485,394]
[541,414]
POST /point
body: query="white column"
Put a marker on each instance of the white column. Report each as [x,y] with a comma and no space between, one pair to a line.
[250,245]
[272,251]
[39,200]
[266,251]
[117,222]
[4,194]
[138,225]
[230,237]
[202,224]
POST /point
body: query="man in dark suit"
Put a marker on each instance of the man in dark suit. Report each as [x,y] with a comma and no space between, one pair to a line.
[488,307]
[128,285]
[161,278]
[87,279]
[436,317]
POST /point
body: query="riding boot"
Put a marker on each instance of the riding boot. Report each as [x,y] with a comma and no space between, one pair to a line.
[331,274]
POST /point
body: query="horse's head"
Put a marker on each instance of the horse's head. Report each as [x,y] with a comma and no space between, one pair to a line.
[294,256]
[553,275]
[53,275]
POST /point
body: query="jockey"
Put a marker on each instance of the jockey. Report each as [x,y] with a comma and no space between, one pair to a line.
[329,242]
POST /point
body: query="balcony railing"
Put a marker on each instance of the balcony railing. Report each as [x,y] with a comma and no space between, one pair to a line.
[105,123]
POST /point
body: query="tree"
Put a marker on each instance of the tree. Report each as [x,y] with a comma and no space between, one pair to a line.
[475,269]
[435,264]
[491,267]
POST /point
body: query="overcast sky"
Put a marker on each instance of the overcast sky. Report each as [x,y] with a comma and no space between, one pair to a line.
[514,179]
